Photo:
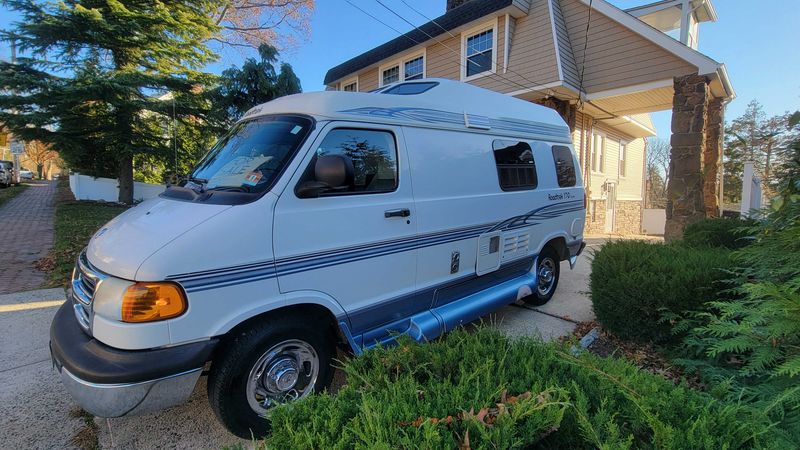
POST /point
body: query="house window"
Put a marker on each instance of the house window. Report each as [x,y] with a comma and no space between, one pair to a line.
[516,169]
[622,156]
[479,49]
[391,75]
[413,69]
[565,166]
[350,87]
[598,153]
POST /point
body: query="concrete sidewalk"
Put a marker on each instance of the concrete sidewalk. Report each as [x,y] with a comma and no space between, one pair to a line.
[35,408]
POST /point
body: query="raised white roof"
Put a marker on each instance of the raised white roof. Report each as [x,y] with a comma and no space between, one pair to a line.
[448,104]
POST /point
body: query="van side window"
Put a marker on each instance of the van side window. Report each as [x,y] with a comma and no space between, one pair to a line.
[565,166]
[516,169]
[371,158]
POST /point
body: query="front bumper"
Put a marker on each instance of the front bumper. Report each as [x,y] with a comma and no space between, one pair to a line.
[108,382]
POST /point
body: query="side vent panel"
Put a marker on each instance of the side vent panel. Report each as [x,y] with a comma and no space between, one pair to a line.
[515,245]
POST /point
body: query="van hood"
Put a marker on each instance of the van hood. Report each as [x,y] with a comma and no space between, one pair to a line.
[124,243]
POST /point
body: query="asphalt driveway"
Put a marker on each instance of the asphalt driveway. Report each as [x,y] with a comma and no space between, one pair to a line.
[37,413]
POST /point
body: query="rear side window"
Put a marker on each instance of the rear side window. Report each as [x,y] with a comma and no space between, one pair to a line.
[565,166]
[516,169]
[373,155]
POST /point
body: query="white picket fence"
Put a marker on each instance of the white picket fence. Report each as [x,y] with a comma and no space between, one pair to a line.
[85,187]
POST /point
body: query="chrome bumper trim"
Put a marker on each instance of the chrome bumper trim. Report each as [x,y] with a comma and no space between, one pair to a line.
[117,400]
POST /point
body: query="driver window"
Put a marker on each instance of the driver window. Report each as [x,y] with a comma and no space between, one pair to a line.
[370,154]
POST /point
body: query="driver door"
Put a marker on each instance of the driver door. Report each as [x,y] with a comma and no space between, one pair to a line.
[357,243]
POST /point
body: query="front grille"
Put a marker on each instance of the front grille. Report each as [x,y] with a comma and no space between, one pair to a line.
[85,279]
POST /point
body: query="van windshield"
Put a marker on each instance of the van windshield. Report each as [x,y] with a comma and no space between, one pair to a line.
[251,155]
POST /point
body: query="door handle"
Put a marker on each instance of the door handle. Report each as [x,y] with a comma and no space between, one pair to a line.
[403,212]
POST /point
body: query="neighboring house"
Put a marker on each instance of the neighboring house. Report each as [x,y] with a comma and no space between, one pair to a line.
[634,62]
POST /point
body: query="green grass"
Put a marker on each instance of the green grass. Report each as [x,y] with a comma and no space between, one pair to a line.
[11,192]
[75,223]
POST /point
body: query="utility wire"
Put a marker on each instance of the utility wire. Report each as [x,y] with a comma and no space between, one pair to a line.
[583,63]
[380,21]
[458,55]
[454,36]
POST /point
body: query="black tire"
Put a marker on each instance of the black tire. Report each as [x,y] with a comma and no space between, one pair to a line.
[227,382]
[548,259]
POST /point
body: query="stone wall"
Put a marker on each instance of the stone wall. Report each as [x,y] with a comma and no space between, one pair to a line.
[596,223]
[685,193]
[629,217]
[628,220]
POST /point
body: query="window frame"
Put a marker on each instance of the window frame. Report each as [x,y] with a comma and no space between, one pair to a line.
[598,168]
[622,167]
[401,64]
[497,166]
[348,82]
[321,139]
[466,34]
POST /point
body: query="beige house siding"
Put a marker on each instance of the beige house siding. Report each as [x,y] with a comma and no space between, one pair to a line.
[442,62]
[569,68]
[368,80]
[532,60]
[616,56]
[629,188]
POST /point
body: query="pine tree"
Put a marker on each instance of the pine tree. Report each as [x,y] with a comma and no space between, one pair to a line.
[91,68]
[256,82]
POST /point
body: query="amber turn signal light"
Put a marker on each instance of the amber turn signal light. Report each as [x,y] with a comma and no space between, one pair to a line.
[149,302]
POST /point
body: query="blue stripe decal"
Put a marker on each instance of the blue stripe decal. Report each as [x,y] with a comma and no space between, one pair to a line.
[247,273]
[425,115]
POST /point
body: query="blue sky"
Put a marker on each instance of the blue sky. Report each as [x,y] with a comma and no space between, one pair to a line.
[757,40]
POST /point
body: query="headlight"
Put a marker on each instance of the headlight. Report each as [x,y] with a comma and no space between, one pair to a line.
[149,302]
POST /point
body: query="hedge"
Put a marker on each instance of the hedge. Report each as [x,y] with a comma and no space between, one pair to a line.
[482,388]
[634,283]
[721,233]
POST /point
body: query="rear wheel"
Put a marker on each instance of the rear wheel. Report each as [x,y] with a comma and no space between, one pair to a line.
[548,269]
[273,362]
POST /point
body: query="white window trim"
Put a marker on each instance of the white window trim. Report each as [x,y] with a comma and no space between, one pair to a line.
[347,82]
[622,162]
[486,26]
[401,63]
[601,163]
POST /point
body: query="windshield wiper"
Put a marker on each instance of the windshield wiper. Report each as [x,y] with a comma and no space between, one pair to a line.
[231,189]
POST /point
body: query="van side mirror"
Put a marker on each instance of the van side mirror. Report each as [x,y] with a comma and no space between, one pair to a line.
[331,172]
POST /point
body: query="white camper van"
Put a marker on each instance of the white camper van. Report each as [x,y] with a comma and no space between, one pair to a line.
[322,220]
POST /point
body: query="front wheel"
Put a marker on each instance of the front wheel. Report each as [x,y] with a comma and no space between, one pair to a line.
[548,269]
[273,362]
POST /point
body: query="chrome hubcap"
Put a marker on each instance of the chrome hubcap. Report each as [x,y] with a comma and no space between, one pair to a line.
[285,372]
[546,275]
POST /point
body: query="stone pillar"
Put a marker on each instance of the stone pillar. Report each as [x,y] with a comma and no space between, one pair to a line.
[685,196]
[565,109]
[712,157]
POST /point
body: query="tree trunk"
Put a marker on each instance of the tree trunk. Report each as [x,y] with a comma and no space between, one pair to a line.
[39,168]
[125,178]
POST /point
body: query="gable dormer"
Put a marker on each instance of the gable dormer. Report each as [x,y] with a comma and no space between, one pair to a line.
[677,18]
